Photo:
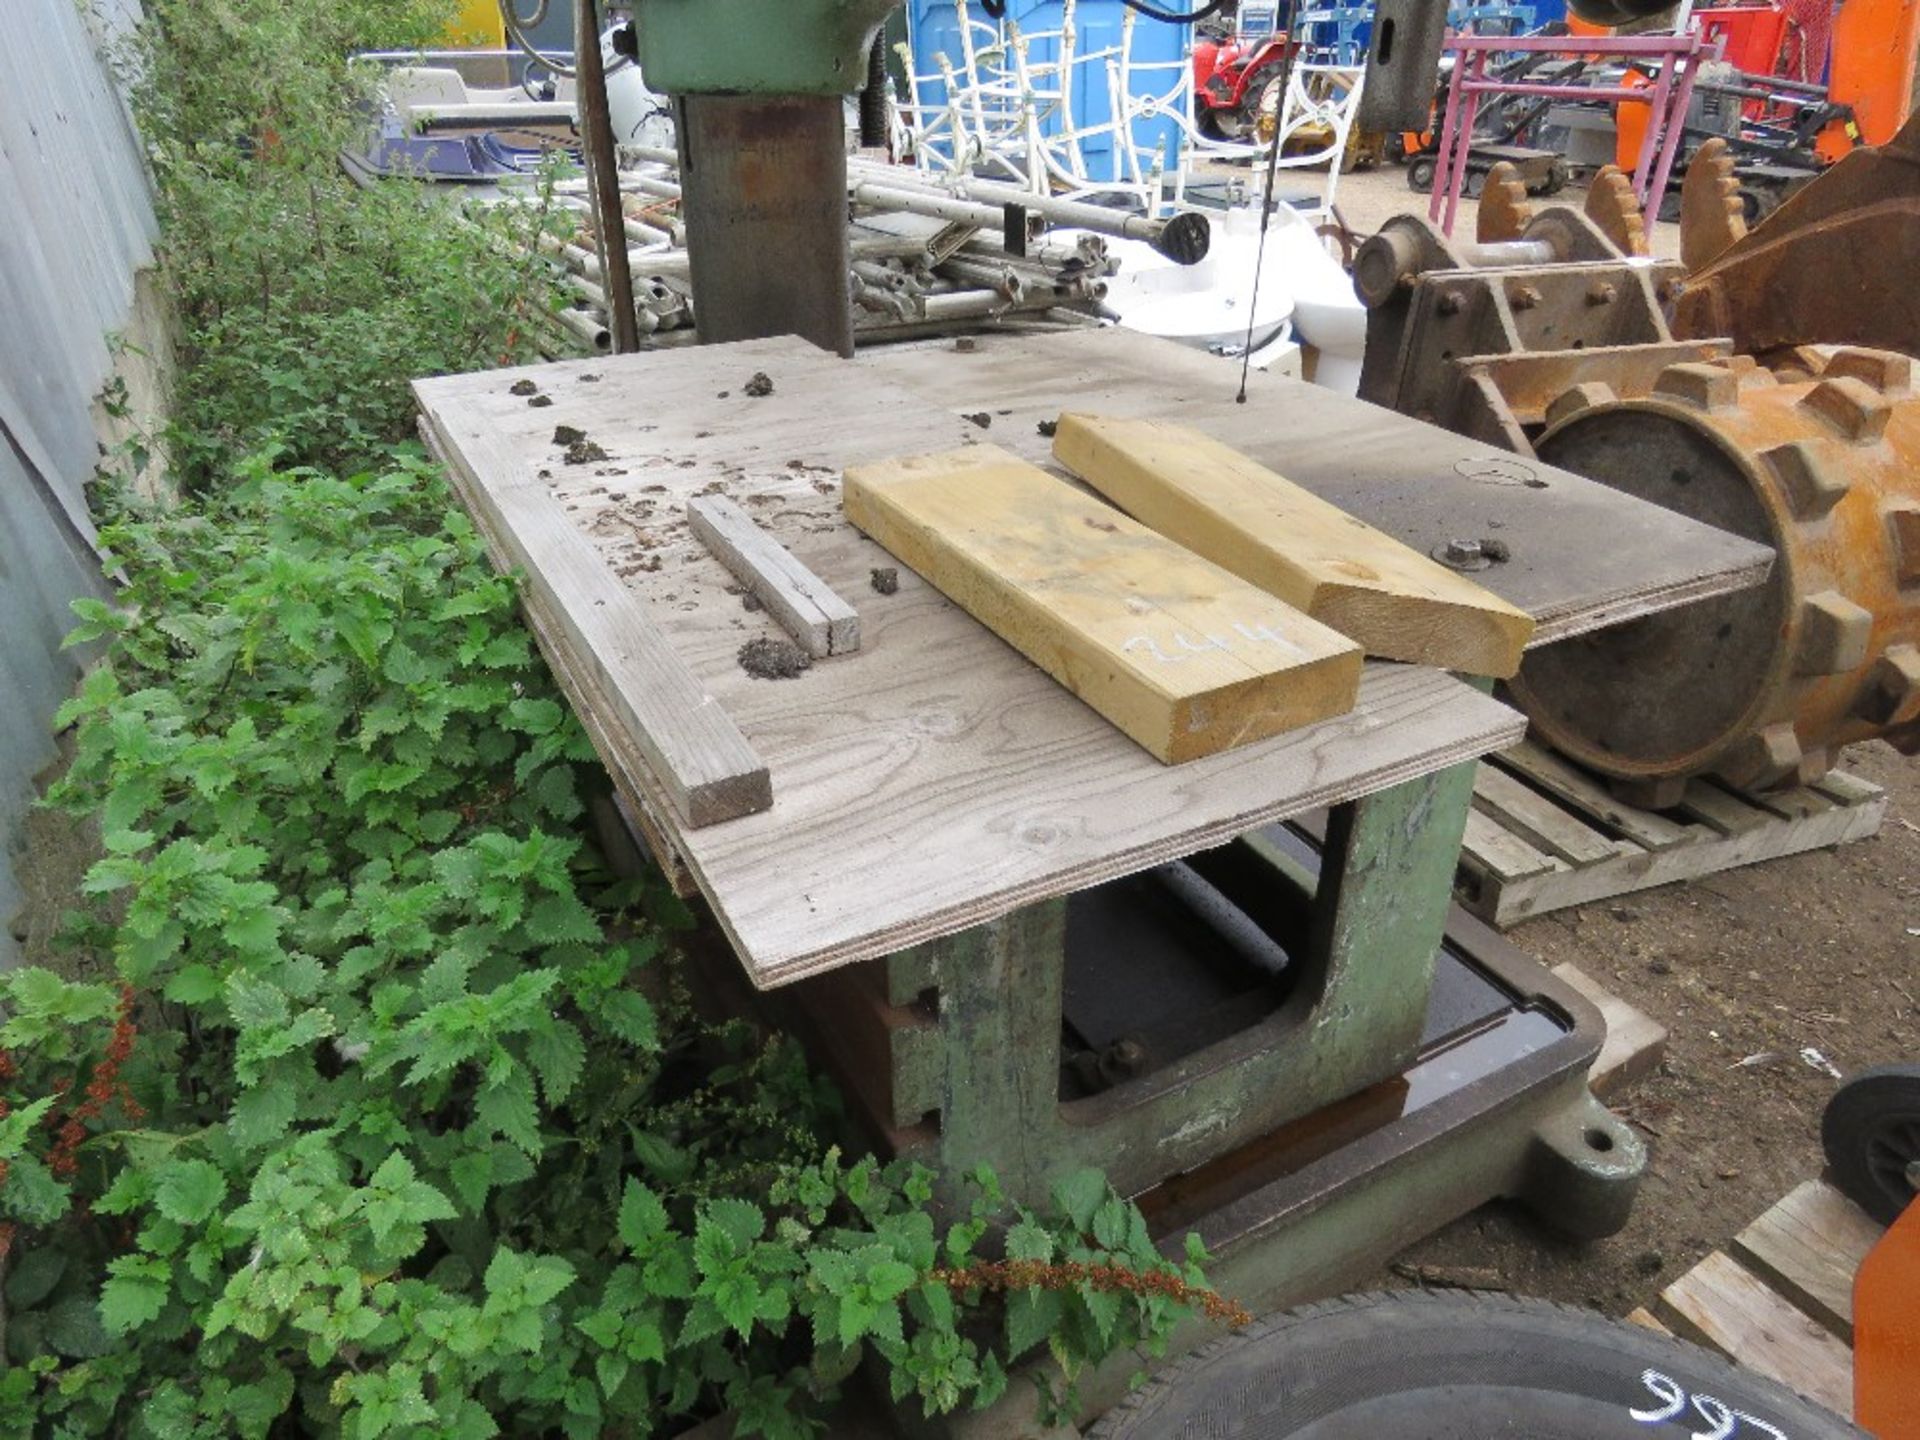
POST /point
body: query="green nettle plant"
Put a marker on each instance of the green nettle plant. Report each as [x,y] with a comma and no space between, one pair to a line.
[394,1118]
[369,1103]
[308,300]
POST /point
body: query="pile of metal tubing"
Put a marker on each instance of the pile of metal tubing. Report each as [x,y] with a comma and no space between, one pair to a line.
[930,255]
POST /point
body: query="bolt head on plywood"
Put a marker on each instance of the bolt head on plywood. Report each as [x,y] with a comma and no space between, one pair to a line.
[1176,653]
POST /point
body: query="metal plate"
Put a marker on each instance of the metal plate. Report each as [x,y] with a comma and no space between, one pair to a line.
[764,183]
[1402,61]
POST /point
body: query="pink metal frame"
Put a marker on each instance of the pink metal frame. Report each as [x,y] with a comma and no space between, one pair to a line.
[1678,57]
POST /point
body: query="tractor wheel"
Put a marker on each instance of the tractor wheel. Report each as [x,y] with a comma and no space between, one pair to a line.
[1420,173]
[1414,1366]
[1871,1133]
[1263,99]
[1756,203]
[1208,120]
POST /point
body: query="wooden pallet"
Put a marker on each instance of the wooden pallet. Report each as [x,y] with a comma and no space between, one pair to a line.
[1544,834]
[1781,1303]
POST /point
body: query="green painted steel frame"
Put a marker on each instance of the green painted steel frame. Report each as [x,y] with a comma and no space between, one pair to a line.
[991,1066]
[758,47]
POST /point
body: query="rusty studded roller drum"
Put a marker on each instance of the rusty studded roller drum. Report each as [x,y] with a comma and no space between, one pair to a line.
[1762,687]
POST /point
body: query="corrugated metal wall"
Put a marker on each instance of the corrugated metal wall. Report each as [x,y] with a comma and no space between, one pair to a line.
[76,222]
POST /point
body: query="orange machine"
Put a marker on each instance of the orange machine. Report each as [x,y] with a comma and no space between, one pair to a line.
[1874,46]
[1874,54]
[1886,1333]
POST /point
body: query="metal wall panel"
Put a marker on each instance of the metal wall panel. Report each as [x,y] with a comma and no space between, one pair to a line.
[76,223]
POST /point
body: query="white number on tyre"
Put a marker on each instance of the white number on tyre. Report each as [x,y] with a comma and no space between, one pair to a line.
[1722,1420]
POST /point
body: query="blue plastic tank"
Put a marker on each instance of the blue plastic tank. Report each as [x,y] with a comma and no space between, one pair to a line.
[934,29]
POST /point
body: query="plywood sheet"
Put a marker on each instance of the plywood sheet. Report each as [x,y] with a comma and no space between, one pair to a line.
[934,779]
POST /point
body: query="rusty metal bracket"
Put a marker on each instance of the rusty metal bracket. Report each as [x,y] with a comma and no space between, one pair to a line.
[1833,265]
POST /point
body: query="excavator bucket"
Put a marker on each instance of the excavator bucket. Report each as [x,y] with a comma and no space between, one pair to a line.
[1833,265]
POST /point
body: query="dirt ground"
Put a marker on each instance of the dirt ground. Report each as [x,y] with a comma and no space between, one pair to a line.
[1367,198]
[1745,969]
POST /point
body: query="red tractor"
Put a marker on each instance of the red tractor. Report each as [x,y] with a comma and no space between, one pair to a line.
[1235,79]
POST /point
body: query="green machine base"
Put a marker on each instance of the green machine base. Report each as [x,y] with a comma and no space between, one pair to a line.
[1182,1012]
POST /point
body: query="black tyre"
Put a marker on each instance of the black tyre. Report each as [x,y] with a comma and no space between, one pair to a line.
[1240,122]
[1413,1366]
[1420,173]
[1757,203]
[1871,1133]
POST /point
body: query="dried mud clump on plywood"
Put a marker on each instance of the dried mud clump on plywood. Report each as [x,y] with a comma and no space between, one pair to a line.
[523,387]
[769,659]
[885,580]
[760,386]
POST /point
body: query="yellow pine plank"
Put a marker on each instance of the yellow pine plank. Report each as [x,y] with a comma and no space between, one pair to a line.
[1173,651]
[1398,603]
[1644,1318]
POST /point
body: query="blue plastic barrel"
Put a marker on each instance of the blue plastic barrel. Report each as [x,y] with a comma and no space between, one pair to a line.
[934,29]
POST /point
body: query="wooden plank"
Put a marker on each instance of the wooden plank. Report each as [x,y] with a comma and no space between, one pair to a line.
[1397,603]
[1174,651]
[1557,776]
[1646,1320]
[1636,1043]
[1529,813]
[1508,903]
[819,621]
[642,802]
[939,781]
[709,771]
[1725,1307]
[1809,1247]
[1502,854]
[1848,789]
[1725,812]
[1799,803]
[1411,480]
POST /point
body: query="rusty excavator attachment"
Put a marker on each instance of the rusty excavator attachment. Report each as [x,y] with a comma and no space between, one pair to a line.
[1834,265]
